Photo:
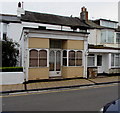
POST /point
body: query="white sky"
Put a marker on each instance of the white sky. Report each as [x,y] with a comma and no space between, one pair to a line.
[106,9]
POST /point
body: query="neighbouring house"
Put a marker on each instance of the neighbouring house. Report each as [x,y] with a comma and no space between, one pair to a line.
[57,48]
[103,48]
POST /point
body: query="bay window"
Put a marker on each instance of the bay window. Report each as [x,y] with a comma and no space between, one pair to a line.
[107,36]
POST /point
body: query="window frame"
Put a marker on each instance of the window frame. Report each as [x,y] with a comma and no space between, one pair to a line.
[117,38]
[75,57]
[38,58]
[115,55]
[107,39]
[91,56]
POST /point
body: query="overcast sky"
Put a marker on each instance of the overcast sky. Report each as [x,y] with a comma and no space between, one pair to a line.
[106,9]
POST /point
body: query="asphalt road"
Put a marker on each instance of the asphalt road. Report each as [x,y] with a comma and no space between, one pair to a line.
[84,99]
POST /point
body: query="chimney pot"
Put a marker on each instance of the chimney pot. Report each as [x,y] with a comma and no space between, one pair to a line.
[84,14]
[19,4]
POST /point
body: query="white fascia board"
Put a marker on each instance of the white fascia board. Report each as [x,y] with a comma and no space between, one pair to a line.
[48,26]
[36,25]
[103,51]
[57,35]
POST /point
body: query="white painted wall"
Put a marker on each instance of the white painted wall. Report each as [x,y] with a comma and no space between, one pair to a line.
[14,31]
[119,12]
[7,78]
[94,37]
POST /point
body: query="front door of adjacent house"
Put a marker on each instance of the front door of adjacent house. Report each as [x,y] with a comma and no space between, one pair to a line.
[100,63]
[54,63]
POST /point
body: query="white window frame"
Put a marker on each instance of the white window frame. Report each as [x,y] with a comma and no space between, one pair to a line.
[38,49]
[75,57]
[117,42]
[106,37]
[94,60]
[115,55]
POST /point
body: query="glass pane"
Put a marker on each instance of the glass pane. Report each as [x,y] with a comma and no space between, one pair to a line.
[58,60]
[43,54]
[64,61]
[79,54]
[52,60]
[99,60]
[43,62]
[112,60]
[110,37]
[33,53]
[71,54]
[71,58]
[42,58]
[64,53]
[33,62]
[91,61]
[78,62]
[117,37]
[103,36]
[55,44]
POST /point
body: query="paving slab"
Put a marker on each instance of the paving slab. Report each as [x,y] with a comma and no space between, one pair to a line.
[60,83]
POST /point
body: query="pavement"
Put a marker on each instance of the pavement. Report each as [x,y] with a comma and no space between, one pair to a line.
[58,83]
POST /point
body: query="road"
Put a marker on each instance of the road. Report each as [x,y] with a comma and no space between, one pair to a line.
[79,99]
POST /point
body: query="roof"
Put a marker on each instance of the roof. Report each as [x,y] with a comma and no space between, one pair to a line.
[101,47]
[118,29]
[9,18]
[105,20]
[94,25]
[53,19]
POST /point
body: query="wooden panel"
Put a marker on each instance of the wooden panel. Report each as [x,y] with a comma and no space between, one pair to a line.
[38,43]
[38,73]
[72,72]
[73,44]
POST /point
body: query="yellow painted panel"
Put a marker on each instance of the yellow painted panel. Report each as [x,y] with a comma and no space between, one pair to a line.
[73,44]
[72,72]
[38,43]
[38,73]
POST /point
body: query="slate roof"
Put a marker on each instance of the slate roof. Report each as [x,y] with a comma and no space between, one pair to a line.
[53,19]
[9,18]
[118,29]
[94,25]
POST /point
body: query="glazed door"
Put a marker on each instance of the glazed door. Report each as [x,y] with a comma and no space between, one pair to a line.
[100,63]
[54,63]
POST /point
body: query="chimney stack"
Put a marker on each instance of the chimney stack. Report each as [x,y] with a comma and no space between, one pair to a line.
[84,14]
[20,9]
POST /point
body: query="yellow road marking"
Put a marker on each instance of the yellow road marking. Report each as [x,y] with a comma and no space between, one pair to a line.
[64,90]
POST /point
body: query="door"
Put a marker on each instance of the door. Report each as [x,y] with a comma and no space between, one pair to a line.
[55,63]
[99,63]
